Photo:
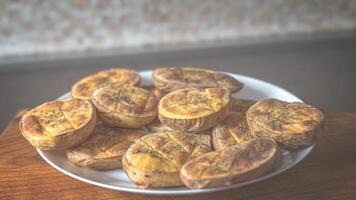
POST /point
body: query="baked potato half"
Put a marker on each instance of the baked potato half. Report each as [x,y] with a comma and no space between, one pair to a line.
[59,124]
[84,88]
[194,109]
[104,149]
[169,79]
[292,125]
[126,107]
[231,165]
[155,160]
[232,131]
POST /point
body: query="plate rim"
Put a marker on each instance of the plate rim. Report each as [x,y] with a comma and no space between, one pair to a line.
[186,191]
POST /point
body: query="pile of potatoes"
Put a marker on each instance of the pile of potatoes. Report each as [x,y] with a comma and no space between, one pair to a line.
[187,129]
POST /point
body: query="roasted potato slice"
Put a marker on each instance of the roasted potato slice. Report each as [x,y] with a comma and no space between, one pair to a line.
[232,131]
[104,149]
[59,124]
[169,79]
[292,125]
[127,106]
[194,109]
[155,160]
[231,165]
[241,105]
[84,88]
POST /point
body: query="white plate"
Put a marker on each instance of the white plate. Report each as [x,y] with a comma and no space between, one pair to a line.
[117,179]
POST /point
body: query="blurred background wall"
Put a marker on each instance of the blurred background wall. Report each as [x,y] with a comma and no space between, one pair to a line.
[305,46]
[41,27]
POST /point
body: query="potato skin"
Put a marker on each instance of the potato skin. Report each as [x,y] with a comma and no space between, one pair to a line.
[157,126]
[241,105]
[194,123]
[104,149]
[84,88]
[126,107]
[288,139]
[151,179]
[104,164]
[231,131]
[31,128]
[158,93]
[155,160]
[231,165]
[123,121]
[169,79]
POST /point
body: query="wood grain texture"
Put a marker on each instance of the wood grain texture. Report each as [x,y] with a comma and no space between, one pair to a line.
[328,173]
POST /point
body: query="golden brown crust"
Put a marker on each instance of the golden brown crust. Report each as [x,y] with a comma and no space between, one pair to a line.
[84,88]
[127,107]
[169,79]
[59,124]
[232,131]
[241,105]
[292,125]
[231,165]
[104,149]
[155,159]
[193,109]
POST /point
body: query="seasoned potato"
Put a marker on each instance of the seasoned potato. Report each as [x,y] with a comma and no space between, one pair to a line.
[59,124]
[156,159]
[232,131]
[174,78]
[241,105]
[127,107]
[104,149]
[231,165]
[193,109]
[292,125]
[84,88]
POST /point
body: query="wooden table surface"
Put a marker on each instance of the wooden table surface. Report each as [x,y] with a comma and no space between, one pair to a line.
[329,172]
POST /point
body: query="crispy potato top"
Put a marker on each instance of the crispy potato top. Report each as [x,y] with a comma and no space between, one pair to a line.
[166,151]
[193,102]
[84,88]
[173,78]
[285,117]
[107,142]
[232,131]
[127,100]
[57,117]
[231,161]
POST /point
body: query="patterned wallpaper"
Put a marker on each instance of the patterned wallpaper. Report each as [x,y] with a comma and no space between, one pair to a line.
[49,26]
